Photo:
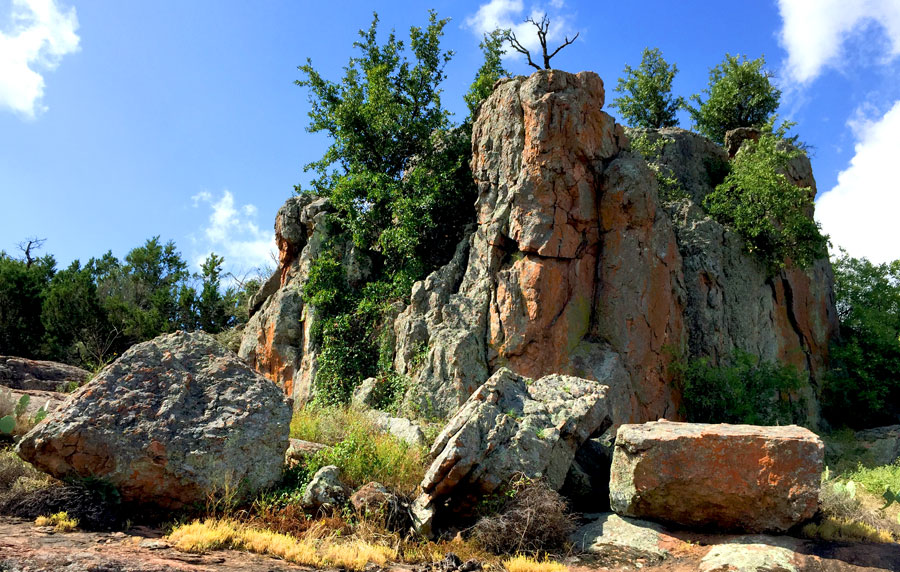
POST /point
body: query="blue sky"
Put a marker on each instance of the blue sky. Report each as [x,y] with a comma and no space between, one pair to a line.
[124,120]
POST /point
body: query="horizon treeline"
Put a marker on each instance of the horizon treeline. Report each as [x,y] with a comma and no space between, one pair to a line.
[87,314]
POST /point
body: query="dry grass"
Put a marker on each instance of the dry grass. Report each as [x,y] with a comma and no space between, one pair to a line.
[60,521]
[845,529]
[318,546]
[521,563]
[363,452]
[18,478]
[533,520]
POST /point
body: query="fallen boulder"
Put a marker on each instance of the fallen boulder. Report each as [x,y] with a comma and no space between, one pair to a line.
[172,421]
[510,426]
[299,451]
[21,373]
[407,431]
[374,500]
[728,477]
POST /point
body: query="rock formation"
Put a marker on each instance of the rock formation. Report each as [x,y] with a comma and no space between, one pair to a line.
[580,264]
[171,421]
[725,477]
[579,267]
[278,340]
[510,426]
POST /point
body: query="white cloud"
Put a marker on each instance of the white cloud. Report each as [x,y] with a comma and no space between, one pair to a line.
[39,35]
[860,213]
[815,31]
[511,14]
[232,232]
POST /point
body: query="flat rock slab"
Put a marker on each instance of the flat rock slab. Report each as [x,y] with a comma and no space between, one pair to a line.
[753,553]
[725,477]
[21,373]
[624,539]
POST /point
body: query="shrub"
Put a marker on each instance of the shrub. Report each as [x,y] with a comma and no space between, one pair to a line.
[740,94]
[770,213]
[532,520]
[743,389]
[646,93]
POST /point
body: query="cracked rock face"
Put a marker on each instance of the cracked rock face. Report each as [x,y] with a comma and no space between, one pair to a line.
[511,426]
[578,267]
[172,420]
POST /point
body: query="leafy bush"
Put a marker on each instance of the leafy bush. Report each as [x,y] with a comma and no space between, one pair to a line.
[533,520]
[740,94]
[771,213]
[651,147]
[863,386]
[646,93]
[743,389]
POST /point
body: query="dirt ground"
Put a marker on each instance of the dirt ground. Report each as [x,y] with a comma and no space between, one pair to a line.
[26,548]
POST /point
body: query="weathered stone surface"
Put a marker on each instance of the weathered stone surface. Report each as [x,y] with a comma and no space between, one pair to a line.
[509,426]
[731,477]
[876,446]
[625,539]
[31,374]
[325,490]
[579,267]
[299,450]
[277,340]
[366,393]
[373,500]
[171,421]
[754,553]
[400,427]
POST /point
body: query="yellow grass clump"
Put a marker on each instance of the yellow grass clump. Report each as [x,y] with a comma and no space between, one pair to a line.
[315,547]
[522,563]
[60,521]
[846,529]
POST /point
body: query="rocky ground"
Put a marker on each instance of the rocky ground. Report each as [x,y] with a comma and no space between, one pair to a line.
[26,548]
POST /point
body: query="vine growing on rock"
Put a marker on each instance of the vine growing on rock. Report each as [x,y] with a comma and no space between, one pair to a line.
[397,172]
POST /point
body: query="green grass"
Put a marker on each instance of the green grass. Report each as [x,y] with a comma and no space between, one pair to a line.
[361,450]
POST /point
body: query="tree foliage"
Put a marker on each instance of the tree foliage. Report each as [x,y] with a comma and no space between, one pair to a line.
[772,214]
[490,71]
[646,98]
[397,172]
[87,314]
[863,388]
[740,94]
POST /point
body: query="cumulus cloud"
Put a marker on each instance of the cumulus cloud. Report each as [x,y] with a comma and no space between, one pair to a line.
[232,231]
[814,32]
[860,213]
[39,34]
[511,14]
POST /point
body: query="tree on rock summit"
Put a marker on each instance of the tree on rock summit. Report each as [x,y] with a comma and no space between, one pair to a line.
[740,95]
[646,99]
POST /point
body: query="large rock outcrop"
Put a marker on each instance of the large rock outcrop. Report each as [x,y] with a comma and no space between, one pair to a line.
[581,265]
[278,339]
[726,477]
[172,421]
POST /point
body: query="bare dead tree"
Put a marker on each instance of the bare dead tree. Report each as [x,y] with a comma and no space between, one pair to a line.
[542,28]
[29,244]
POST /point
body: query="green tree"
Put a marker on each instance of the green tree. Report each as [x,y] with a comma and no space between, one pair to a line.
[646,93]
[22,286]
[76,326]
[490,71]
[863,388]
[772,214]
[216,308]
[740,94]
